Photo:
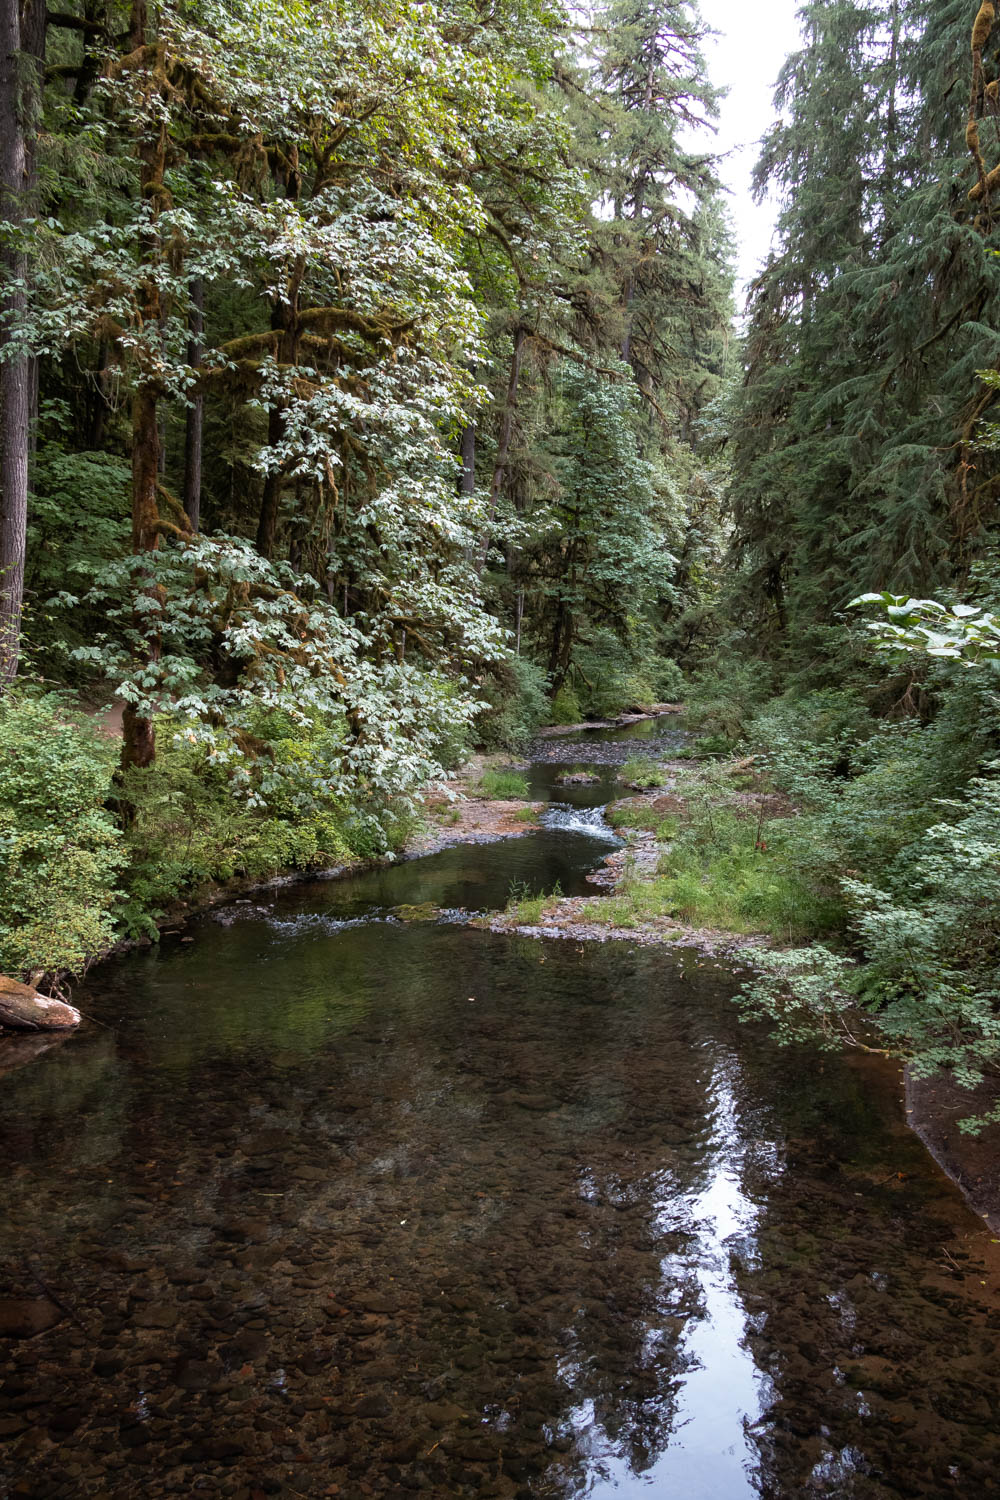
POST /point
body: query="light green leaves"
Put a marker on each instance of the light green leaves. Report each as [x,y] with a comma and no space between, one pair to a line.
[956,632]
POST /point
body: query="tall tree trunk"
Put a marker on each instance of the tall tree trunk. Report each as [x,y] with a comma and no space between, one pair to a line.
[503,440]
[138,735]
[195,412]
[100,406]
[137,25]
[15,373]
[33,28]
[467,453]
[561,649]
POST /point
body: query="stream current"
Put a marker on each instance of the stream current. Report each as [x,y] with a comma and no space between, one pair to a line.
[334,1204]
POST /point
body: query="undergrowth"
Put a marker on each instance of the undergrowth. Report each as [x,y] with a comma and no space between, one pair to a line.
[727,860]
[503,785]
[72,880]
[644,773]
[527,907]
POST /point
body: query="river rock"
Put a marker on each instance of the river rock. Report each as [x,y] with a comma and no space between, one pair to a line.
[23,1317]
[24,1009]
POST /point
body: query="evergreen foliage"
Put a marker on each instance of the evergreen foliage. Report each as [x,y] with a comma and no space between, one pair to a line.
[365,347]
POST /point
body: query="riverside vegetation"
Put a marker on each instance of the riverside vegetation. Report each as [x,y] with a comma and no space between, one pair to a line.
[370,394]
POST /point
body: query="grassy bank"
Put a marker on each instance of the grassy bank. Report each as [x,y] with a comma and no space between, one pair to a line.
[718,851]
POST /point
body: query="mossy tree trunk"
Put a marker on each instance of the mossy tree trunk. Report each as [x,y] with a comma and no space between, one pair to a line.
[15,370]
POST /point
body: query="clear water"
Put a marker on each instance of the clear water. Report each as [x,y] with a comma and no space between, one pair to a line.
[331,1203]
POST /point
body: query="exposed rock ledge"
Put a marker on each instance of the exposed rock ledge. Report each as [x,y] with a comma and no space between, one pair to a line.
[24,1009]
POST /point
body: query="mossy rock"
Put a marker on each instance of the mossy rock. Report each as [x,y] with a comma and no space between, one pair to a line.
[424,911]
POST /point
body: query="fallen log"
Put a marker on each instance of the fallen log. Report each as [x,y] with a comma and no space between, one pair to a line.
[24,1009]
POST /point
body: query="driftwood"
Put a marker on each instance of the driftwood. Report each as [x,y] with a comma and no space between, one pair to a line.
[24,1009]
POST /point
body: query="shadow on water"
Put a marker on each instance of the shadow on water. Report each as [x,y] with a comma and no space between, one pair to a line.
[401,1208]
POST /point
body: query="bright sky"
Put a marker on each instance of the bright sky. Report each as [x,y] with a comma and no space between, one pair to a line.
[744,58]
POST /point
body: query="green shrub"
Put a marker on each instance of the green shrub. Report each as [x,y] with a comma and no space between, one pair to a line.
[565,708]
[77,522]
[612,676]
[668,680]
[505,785]
[742,889]
[893,818]
[193,827]
[723,700]
[60,853]
[518,705]
[710,747]
[725,863]
[929,975]
[642,815]
[527,908]
[643,773]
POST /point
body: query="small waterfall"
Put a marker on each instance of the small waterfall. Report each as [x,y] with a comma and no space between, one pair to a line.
[589,821]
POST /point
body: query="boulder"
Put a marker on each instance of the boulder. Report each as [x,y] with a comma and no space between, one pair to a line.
[23,1317]
[24,1009]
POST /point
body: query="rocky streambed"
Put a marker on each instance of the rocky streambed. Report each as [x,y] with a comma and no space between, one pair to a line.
[335,1202]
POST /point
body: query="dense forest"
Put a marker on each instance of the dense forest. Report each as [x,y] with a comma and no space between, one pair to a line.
[373,389]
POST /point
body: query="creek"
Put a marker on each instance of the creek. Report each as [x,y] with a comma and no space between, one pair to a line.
[323,1202]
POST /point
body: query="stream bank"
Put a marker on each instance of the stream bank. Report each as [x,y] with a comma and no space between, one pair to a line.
[934,1107]
[340,1200]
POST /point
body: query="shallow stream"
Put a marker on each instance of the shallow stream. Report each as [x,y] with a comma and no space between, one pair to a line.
[324,1203]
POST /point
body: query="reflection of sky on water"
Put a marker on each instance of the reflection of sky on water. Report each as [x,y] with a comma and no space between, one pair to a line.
[702,1448]
[722,1392]
[566,1202]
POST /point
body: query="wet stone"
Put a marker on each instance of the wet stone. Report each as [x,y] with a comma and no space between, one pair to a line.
[541,1198]
[24,1317]
[156,1315]
[241,1230]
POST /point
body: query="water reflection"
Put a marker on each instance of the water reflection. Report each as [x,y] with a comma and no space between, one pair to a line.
[722,1393]
[405,1208]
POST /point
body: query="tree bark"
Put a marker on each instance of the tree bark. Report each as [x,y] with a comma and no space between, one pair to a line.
[503,440]
[24,1009]
[467,453]
[195,412]
[561,648]
[100,406]
[33,28]
[15,373]
[138,734]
